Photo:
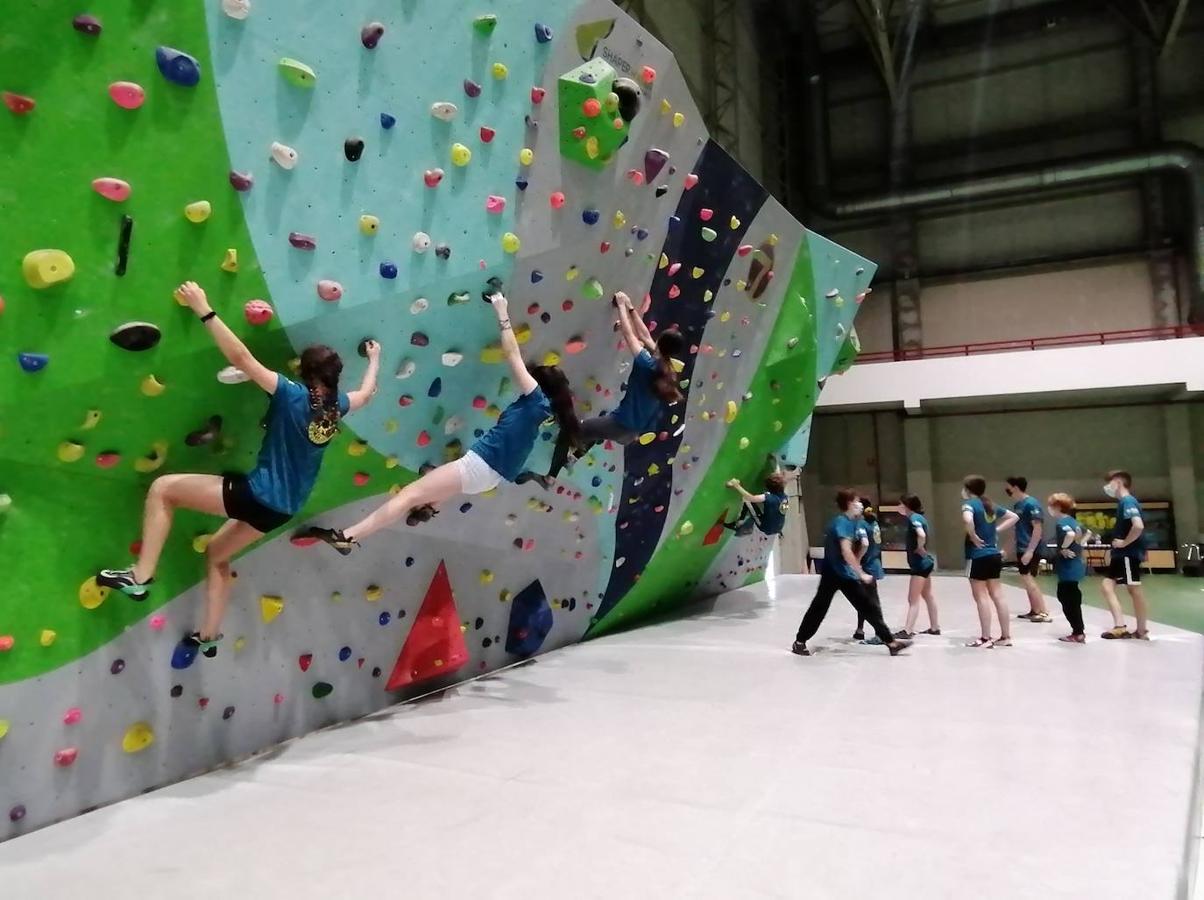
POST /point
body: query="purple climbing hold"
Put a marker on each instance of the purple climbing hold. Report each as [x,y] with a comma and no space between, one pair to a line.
[654,161]
[241,181]
[344,654]
[590,216]
[536,276]
[178,67]
[471,88]
[543,33]
[302,241]
[384,618]
[86,24]
[371,34]
[353,149]
[418,339]
[674,221]
[436,388]
[117,667]
[33,362]
[387,121]
[17,813]
[388,270]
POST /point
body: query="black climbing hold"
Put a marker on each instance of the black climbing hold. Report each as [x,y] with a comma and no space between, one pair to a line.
[418,339]
[362,349]
[629,98]
[536,276]
[371,34]
[409,562]
[177,690]
[206,435]
[662,189]
[123,245]
[117,667]
[543,33]
[376,671]
[641,233]
[387,121]
[494,287]
[86,24]
[322,689]
[227,712]
[353,149]
[443,251]
[488,642]
[135,336]
[531,123]
[545,317]
[479,622]
[436,388]
[521,183]
[465,507]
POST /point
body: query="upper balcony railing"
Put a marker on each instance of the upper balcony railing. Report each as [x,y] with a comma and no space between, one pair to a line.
[1090,338]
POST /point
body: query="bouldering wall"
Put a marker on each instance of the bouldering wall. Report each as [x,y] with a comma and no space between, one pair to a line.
[327,172]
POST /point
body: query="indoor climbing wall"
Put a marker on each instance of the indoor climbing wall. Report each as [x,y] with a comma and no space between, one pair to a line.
[330,172]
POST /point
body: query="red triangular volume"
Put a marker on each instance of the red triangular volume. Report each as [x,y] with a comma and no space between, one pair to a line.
[435,645]
[716,530]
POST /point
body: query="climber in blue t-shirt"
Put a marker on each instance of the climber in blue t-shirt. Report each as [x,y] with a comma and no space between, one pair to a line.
[1128,553]
[765,511]
[651,389]
[498,456]
[1069,565]
[869,549]
[302,419]
[984,522]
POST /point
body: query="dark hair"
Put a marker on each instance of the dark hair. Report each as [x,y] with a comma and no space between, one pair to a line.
[775,483]
[912,502]
[867,512]
[977,485]
[1018,481]
[844,498]
[320,371]
[1125,478]
[669,345]
[555,384]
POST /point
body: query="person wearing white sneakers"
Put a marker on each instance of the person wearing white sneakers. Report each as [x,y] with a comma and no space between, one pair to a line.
[1128,553]
[1029,529]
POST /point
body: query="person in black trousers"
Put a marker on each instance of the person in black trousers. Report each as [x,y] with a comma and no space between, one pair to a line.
[842,572]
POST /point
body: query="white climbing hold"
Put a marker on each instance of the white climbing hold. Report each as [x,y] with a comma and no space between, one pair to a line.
[452,359]
[406,369]
[444,111]
[420,242]
[420,305]
[236,9]
[232,375]
[284,155]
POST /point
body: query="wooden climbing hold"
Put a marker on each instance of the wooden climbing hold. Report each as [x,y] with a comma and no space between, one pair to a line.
[297,72]
[177,66]
[45,268]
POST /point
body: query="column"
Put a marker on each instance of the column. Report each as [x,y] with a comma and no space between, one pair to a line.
[1181,461]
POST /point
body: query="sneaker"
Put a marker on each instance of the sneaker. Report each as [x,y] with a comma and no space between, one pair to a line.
[859,635]
[1073,639]
[207,648]
[931,631]
[331,536]
[799,649]
[1140,635]
[123,580]
[1002,642]
[897,647]
[904,635]
[1027,615]
[985,643]
[1043,618]
[1118,633]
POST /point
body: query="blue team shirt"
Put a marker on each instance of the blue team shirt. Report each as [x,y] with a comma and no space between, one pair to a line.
[915,562]
[1029,512]
[506,446]
[291,453]
[984,527]
[1070,569]
[640,407]
[870,534]
[840,528]
[1128,509]
[773,513]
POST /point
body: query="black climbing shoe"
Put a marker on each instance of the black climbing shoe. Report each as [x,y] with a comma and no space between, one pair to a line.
[207,648]
[331,536]
[800,649]
[123,580]
[897,647]
[542,480]
[420,514]
[859,635]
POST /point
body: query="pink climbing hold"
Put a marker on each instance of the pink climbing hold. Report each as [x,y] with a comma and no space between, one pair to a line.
[72,716]
[706,214]
[65,757]
[330,291]
[479,402]
[6,642]
[18,103]
[674,292]
[495,204]
[157,622]
[674,269]
[557,199]
[424,439]
[691,180]
[575,345]
[127,94]
[361,478]
[112,189]
[108,459]
[636,176]
[648,74]
[744,249]
[432,177]
[278,699]
[537,95]
[257,312]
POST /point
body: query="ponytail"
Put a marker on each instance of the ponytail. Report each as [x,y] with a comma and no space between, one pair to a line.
[555,385]
[977,485]
[320,370]
[665,382]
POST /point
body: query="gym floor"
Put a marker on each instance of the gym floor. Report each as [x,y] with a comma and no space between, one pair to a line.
[1174,600]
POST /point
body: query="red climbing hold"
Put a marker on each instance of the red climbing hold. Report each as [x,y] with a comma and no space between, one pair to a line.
[257,312]
[304,661]
[20,105]
[361,478]
[537,94]
[487,134]
[424,439]
[648,74]
[65,757]
[435,645]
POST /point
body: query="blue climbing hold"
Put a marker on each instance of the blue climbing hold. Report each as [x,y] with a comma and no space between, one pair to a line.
[409,561]
[388,270]
[543,33]
[184,655]
[674,221]
[590,216]
[521,183]
[345,652]
[436,388]
[384,618]
[33,362]
[387,121]
[536,276]
[587,78]
[178,67]
[641,233]
[530,620]
[596,481]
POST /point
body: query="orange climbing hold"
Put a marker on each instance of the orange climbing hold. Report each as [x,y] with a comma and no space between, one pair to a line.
[435,645]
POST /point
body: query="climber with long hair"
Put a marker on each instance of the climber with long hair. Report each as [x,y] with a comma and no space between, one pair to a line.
[498,456]
[301,421]
[651,389]
[983,522]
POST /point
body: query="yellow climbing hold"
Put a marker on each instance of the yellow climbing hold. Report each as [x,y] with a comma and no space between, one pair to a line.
[270,607]
[373,592]
[743,443]
[492,354]
[499,70]
[663,262]
[239,644]
[392,462]
[511,242]
[69,452]
[460,155]
[198,212]
[591,147]
[486,576]
[46,638]
[654,469]
[394,490]
[230,262]
[777,426]
[369,224]
[741,284]
[152,386]
[620,219]
[91,420]
[3,727]
[200,543]
[647,438]
[676,364]
[772,240]
[724,316]
[152,461]
[679,120]
[391,426]
[336,597]
[526,156]
[687,527]
[504,596]
[357,448]
[91,594]
[697,272]
[732,411]
[551,358]
[43,268]
[572,273]
[137,737]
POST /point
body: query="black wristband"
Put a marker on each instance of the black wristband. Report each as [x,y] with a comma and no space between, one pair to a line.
[212,314]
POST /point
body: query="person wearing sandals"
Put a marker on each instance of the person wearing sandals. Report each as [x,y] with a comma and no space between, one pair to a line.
[920,565]
[984,522]
[303,418]
[1029,530]
[869,548]
[842,572]
[1128,553]
[1069,564]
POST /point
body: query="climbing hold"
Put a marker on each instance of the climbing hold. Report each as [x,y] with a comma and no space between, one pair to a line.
[302,241]
[706,214]
[526,156]
[33,362]
[4,726]
[471,88]
[604,247]
[230,261]
[70,451]
[373,593]
[436,388]
[485,24]
[257,312]
[137,737]
[744,250]
[177,66]
[709,234]
[499,70]
[353,149]
[619,219]
[112,189]
[387,120]
[241,181]
[19,104]
[543,33]
[420,242]
[418,339]
[43,268]
[732,410]
[487,134]
[86,24]
[495,204]
[297,72]
[388,270]
[369,225]
[236,9]
[284,155]
[592,289]
[152,386]
[648,74]
[92,595]
[674,269]
[455,298]
[371,34]
[451,359]
[270,607]
[591,108]
[690,181]
[73,715]
[590,216]
[556,199]
[460,155]
[537,95]
[127,94]
[443,251]
[322,689]
[511,242]
[152,461]
[135,336]
[444,111]
[65,757]
[330,290]
[678,120]
[636,177]
[108,459]
[686,528]
[432,177]
[198,211]
[47,637]
[654,161]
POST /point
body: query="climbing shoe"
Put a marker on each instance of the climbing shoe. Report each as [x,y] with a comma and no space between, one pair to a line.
[859,635]
[1119,633]
[543,480]
[933,631]
[207,648]
[897,647]
[123,580]
[332,536]
[1073,639]
[800,649]
[1041,618]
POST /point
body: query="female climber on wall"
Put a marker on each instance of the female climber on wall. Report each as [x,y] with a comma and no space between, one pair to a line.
[651,388]
[498,456]
[301,421]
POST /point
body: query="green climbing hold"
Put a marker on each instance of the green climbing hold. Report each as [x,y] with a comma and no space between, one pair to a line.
[592,289]
[709,234]
[297,72]
[485,24]
[322,689]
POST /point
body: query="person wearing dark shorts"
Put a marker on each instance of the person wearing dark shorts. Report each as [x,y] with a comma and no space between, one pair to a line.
[920,565]
[1069,564]
[765,511]
[1030,527]
[842,572]
[869,551]
[1128,553]
[302,420]
[984,522]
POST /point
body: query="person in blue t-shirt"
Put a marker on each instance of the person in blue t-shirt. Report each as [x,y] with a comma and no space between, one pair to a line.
[842,572]
[302,419]
[1128,553]
[1030,528]
[869,551]
[499,455]
[1069,564]
[765,511]
[920,565]
[984,522]
[651,388]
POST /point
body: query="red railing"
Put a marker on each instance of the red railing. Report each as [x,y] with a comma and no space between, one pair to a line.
[1040,343]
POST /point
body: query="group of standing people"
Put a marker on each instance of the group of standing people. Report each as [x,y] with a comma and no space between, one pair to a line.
[852,563]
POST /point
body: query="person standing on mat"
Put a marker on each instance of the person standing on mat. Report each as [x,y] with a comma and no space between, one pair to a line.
[920,565]
[1128,553]
[842,572]
[1069,565]
[765,511]
[869,550]
[651,389]
[1029,531]
[984,522]
[302,420]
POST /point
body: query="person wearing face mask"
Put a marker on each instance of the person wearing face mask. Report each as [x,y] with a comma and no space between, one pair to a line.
[1029,529]
[869,551]
[984,522]
[842,572]
[1069,564]
[1128,552]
